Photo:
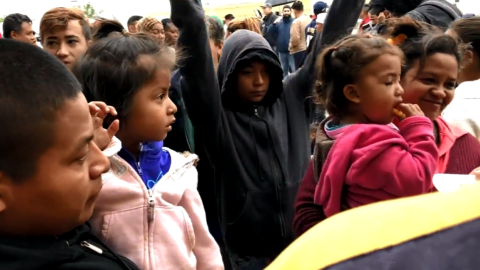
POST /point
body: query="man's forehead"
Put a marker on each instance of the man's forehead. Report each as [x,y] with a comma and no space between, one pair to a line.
[73,28]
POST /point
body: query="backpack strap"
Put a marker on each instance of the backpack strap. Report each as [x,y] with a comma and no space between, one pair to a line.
[323,144]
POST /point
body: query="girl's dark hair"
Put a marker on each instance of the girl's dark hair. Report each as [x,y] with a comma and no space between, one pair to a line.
[340,64]
[421,41]
[118,64]
[468,31]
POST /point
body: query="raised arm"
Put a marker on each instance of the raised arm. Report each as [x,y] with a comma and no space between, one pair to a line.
[341,19]
[199,84]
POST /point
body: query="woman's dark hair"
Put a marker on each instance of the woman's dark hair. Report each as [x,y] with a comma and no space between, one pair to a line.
[468,31]
[421,41]
[340,64]
[118,64]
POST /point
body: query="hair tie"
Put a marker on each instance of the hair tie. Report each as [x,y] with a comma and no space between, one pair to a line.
[398,40]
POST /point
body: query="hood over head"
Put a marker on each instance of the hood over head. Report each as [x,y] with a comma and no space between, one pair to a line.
[245,45]
[397,7]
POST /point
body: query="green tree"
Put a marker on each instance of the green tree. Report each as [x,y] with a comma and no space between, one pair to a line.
[90,11]
[2,18]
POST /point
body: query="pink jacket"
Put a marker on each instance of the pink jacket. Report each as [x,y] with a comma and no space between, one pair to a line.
[371,163]
[162,228]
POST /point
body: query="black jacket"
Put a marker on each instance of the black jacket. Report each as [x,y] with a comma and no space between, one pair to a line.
[267,21]
[260,152]
[439,13]
[66,252]
[182,136]
[436,12]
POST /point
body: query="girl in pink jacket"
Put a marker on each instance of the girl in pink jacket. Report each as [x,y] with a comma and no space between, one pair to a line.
[360,157]
[149,209]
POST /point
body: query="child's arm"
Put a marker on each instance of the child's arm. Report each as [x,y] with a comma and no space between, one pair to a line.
[199,84]
[206,249]
[307,213]
[401,164]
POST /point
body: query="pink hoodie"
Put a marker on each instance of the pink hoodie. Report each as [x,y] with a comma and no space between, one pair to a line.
[371,163]
[161,228]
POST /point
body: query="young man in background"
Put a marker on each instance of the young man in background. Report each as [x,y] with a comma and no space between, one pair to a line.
[66,39]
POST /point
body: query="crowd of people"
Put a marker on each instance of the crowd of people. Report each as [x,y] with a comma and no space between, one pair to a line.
[292,142]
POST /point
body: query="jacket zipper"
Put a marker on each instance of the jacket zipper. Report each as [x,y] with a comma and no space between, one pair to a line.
[275,176]
[91,247]
[151,206]
[124,260]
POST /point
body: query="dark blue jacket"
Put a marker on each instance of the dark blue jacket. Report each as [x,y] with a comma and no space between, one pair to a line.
[281,32]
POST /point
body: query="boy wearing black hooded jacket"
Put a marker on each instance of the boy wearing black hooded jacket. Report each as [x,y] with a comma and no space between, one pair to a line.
[254,127]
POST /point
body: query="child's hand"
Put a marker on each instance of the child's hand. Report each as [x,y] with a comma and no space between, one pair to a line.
[102,137]
[410,110]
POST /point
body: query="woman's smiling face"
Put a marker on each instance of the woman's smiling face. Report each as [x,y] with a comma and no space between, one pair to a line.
[433,86]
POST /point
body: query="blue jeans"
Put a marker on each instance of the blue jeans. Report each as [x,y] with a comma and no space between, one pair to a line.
[248,262]
[288,63]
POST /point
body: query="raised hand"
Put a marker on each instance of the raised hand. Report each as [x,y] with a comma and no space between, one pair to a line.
[102,136]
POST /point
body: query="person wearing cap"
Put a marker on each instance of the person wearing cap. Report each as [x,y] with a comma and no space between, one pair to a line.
[319,7]
[268,19]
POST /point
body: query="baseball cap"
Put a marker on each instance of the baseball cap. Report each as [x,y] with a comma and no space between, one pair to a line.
[321,18]
[320,7]
[267,5]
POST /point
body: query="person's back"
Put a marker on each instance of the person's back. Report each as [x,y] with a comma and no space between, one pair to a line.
[50,167]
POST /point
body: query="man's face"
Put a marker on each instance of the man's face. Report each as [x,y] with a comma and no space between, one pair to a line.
[132,28]
[62,193]
[66,43]
[266,10]
[26,34]
[287,13]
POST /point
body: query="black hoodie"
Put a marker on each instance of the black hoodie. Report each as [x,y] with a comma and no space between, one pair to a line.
[76,250]
[260,152]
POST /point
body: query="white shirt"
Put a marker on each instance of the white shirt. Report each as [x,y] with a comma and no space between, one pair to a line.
[464,111]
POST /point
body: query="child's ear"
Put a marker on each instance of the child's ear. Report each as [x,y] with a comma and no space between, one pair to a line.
[351,93]
[467,58]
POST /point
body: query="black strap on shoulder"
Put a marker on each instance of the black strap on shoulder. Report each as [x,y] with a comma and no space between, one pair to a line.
[323,144]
